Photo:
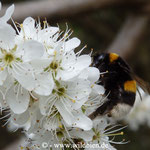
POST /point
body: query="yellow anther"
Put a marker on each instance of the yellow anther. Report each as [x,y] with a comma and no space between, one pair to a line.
[21,25]
[92,85]
[21,148]
[44,22]
[114,134]
[1,69]
[55,53]
[60,126]
[49,47]
[73,100]
[77,129]
[66,34]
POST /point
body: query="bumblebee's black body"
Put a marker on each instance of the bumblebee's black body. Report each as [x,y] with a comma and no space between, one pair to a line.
[120,87]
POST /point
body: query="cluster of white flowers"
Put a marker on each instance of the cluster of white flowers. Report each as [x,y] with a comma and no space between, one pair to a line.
[140,114]
[48,88]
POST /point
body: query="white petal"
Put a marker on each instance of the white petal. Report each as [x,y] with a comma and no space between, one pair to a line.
[8,14]
[18,100]
[46,33]
[28,31]
[3,103]
[100,123]
[68,62]
[72,44]
[21,119]
[79,91]
[46,103]
[52,30]
[85,135]
[43,104]
[40,64]
[44,84]
[83,62]
[99,89]
[35,115]
[65,113]
[7,36]
[69,59]
[74,68]
[7,84]
[32,50]
[3,89]
[24,76]
[29,22]
[90,73]
[93,73]
[3,76]
[81,121]
[51,124]
[65,75]
[74,118]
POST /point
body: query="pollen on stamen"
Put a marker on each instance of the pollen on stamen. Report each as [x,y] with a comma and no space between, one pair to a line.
[21,25]
[66,35]
[44,22]
[21,147]
[114,134]
[77,129]
[60,126]
[1,68]
[73,100]
[92,85]
[55,53]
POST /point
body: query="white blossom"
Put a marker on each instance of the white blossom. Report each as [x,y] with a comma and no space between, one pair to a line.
[47,88]
[139,115]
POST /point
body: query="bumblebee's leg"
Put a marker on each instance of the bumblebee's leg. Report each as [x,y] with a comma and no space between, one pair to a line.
[102,110]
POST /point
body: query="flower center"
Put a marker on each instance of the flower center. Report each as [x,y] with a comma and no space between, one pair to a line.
[96,136]
[8,57]
[54,65]
[61,91]
[59,134]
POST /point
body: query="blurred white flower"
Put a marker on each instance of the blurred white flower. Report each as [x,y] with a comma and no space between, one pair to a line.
[140,113]
[7,15]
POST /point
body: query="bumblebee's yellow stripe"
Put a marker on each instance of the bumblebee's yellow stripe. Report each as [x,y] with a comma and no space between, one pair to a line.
[113,57]
[130,86]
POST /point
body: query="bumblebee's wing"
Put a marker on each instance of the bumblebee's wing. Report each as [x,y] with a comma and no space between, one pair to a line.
[144,85]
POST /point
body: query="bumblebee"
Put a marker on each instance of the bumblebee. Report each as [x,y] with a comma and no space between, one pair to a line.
[120,85]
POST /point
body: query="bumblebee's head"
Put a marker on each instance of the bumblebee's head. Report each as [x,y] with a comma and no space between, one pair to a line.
[98,59]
